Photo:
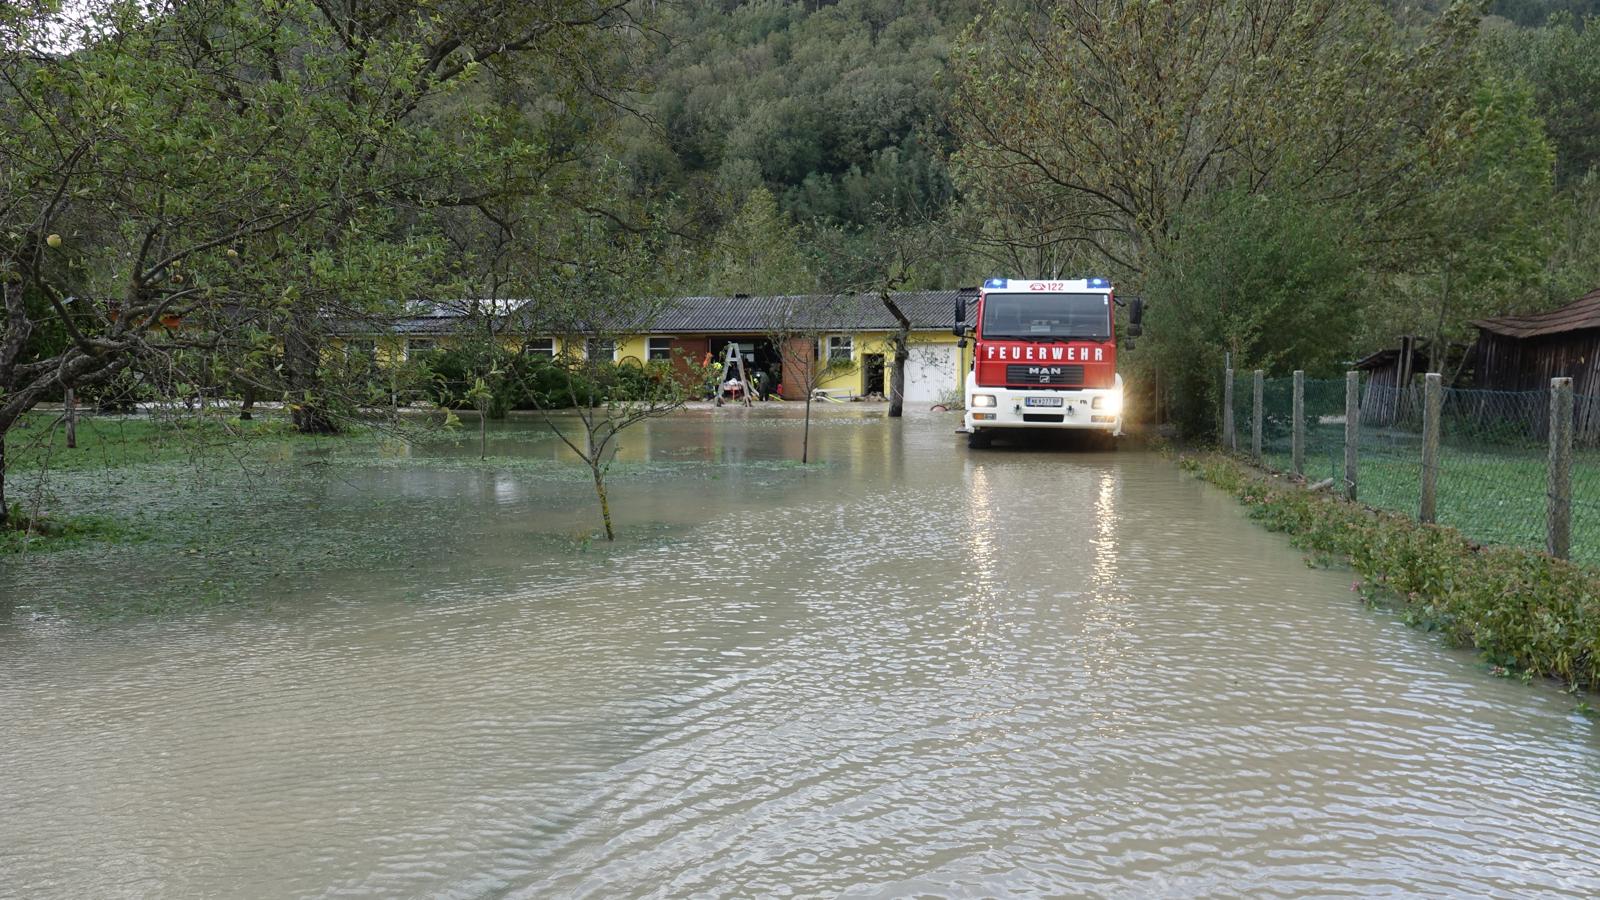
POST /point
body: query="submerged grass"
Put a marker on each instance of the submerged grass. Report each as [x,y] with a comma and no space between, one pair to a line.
[41,535]
[146,522]
[1522,609]
[123,450]
[40,440]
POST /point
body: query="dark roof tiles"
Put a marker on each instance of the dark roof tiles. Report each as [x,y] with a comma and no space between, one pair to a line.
[858,312]
[927,310]
[1576,316]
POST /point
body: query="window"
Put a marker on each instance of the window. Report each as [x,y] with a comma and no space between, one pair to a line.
[1047,315]
[659,349]
[840,348]
[599,349]
[361,347]
[420,346]
[545,347]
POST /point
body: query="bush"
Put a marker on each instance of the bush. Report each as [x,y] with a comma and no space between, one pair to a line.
[537,382]
[1522,609]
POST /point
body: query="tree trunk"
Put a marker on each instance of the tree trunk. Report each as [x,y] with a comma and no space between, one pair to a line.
[605,503]
[897,379]
[805,433]
[247,404]
[301,352]
[71,413]
[310,417]
[902,353]
[483,431]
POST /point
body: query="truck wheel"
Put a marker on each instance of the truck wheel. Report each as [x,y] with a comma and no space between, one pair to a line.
[979,440]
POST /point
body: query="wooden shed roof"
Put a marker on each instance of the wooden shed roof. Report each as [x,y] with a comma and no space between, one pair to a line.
[1576,316]
[1388,355]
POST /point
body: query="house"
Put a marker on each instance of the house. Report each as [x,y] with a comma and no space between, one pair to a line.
[1522,353]
[853,332]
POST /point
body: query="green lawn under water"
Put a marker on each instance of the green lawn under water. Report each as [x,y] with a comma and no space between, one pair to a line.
[122,448]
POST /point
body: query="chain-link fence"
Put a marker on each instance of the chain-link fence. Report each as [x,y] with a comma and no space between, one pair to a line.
[1494,454]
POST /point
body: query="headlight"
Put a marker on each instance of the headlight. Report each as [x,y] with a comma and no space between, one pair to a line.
[1108,403]
[982,399]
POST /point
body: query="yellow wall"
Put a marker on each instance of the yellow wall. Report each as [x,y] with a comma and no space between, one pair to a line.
[636,346]
[390,349]
[869,342]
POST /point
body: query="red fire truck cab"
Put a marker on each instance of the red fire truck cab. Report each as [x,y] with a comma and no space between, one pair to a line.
[1044,356]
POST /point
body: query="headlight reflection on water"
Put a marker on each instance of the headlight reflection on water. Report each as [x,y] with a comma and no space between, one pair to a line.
[1105,529]
[982,555]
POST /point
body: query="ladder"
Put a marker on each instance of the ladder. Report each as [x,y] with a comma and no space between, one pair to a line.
[733,362]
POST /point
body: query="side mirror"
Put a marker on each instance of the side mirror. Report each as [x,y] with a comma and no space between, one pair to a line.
[960,329]
[1136,317]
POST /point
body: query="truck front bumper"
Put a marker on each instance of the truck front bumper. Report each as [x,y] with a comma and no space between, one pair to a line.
[1077,409]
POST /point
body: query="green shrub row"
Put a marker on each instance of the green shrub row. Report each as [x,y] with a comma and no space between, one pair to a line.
[531,382]
[1522,609]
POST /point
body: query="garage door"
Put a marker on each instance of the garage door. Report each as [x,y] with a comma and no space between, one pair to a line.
[931,373]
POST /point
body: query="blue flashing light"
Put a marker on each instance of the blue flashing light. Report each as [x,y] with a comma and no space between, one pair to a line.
[993,283]
[1099,283]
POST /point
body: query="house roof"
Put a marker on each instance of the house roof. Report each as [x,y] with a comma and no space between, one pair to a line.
[1580,314]
[927,310]
[858,312]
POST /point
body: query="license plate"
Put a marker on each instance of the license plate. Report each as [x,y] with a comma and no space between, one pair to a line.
[1044,401]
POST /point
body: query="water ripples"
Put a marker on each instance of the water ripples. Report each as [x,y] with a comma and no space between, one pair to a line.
[922,672]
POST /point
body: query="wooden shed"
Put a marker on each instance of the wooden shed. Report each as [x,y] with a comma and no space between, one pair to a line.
[1522,353]
[1388,374]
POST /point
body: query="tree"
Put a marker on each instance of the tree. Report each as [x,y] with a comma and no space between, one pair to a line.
[612,289]
[1482,231]
[146,199]
[759,252]
[898,252]
[1561,63]
[799,324]
[464,103]
[1274,280]
[227,181]
[1112,118]
[1573,268]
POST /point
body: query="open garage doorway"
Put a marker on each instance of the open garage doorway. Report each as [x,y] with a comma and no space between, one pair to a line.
[760,357]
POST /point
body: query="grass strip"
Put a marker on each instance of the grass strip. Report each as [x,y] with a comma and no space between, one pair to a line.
[1522,609]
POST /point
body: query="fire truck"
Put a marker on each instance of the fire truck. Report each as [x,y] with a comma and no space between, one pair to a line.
[1044,356]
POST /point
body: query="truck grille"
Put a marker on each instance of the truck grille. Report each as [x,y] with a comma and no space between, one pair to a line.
[1054,376]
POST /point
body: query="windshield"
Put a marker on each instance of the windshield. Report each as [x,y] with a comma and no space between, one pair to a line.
[1047,316]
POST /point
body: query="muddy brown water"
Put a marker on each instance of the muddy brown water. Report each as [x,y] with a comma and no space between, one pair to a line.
[916,670]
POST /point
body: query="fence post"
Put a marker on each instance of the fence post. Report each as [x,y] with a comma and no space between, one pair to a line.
[1298,428]
[71,414]
[1229,440]
[1558,534]
[1352,431]
[1256,389]
[1432,406]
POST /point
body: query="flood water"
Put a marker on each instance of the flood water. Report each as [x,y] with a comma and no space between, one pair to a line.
[916,669]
